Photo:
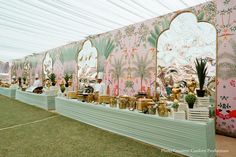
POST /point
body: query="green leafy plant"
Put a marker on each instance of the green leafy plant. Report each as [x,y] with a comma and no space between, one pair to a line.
[201,69]
[67,77]
[190,99]
[52,78]
[175,105]
[62,87]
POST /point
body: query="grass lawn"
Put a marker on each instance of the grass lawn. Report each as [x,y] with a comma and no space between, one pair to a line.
[61,136]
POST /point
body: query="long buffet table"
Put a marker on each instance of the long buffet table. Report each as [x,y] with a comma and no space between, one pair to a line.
[190,138]
[38,100]
[9,92]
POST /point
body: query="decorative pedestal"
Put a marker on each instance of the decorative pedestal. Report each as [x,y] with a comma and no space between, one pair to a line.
[181,115]
[198,114]
[38,100]
[185,137]
[203,102]
[9,92]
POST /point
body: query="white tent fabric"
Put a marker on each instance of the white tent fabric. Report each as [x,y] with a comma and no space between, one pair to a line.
[38,25]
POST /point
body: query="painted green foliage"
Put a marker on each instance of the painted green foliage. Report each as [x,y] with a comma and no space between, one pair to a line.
[207,13]
[104,47]
[33,61]
[19,64]
[163,25]
[200,16]
[68,54]
[142,67]
[117,69]
[53,54]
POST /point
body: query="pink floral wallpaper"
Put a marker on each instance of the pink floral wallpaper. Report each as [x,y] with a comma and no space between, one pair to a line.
[226,82]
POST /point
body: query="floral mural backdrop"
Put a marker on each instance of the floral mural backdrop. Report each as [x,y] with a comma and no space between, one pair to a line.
[226,82]
[127,56]
[64,61]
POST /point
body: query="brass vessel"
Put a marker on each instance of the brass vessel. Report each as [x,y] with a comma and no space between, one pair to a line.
[191,84]
[162,110]
[176,91]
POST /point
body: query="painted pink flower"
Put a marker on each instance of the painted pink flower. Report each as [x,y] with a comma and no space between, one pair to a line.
[232,83]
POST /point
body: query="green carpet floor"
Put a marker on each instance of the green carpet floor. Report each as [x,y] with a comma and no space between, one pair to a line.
[61,136]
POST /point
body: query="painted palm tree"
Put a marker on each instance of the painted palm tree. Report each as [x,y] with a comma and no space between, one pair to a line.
[53,55]
[152,39]
[68,54]
[33,60]
[142,67]
[117,70]
[104,46]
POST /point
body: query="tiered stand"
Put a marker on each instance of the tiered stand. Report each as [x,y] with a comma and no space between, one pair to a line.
[38,100]
[9,92]
[190,138]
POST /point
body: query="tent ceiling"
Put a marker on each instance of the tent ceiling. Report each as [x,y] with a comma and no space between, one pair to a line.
[38,25]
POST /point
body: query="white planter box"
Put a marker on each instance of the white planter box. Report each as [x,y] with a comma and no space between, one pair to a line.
[38,100]
[176,135]
[9,92]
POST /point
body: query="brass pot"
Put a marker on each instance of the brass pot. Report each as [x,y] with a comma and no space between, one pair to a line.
[162,110]
[96,95]
[113,102]
[123,103]
[176,91]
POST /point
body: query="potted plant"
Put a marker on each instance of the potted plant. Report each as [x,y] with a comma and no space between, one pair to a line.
[175,105]
[67,77]
[52,78]
[19,82]
[201,69]
[190,99]
[62,87]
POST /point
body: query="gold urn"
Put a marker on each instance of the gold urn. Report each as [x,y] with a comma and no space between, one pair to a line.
[96,95]
[132,102]
[70,82]
[123,103]
[176,91]
[191,84]
[113,102]
[162,109]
